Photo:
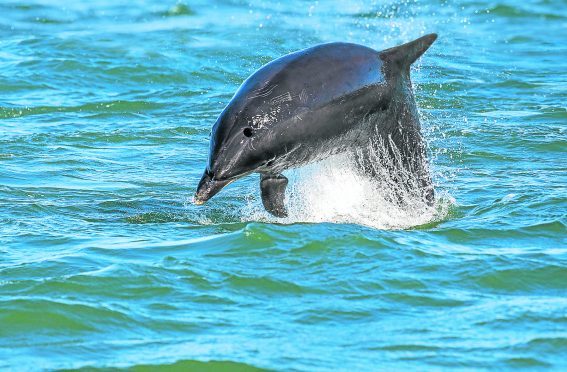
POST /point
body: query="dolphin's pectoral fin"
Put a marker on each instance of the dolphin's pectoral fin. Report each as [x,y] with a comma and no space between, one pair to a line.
[272,188]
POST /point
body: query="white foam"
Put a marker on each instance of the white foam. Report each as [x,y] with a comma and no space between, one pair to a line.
[335,191]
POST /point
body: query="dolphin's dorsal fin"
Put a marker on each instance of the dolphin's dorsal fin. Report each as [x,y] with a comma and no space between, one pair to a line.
[404,55]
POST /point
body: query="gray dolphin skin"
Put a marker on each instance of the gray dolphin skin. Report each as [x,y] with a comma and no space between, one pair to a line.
[308,105]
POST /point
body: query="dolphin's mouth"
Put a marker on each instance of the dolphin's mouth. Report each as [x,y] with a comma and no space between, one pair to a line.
[209,187]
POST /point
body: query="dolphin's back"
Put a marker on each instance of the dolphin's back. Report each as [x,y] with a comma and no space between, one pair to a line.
[331,70]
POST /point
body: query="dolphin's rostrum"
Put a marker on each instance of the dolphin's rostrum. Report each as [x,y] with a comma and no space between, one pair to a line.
[313,103]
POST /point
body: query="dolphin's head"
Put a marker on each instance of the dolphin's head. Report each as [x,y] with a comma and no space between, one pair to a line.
[233,151]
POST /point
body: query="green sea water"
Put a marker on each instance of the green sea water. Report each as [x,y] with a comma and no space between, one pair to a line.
[105,113]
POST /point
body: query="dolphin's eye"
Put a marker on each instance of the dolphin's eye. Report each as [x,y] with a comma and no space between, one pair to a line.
[248,132]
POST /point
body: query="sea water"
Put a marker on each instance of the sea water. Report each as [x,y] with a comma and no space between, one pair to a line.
[105,114]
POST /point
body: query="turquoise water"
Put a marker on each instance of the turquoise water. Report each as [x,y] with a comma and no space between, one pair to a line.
[105,111]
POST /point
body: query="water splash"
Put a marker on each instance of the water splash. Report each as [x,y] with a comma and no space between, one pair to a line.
[335,190]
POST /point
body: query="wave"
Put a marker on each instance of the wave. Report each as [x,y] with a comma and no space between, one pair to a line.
[196,365]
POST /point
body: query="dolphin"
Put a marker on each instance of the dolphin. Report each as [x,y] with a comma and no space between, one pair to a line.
[313,103]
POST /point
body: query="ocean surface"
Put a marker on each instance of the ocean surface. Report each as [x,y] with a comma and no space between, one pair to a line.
[105,113]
